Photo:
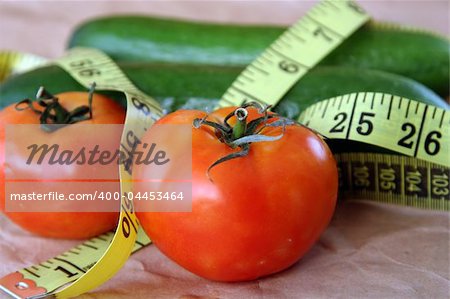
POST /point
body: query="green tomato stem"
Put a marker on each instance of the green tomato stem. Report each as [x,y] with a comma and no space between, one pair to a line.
[240,127]
[243,134]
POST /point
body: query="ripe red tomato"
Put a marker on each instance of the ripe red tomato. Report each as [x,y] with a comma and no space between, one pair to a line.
[258,214]
[70,225]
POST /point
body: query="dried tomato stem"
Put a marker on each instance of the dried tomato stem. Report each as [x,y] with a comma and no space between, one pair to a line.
[53,112]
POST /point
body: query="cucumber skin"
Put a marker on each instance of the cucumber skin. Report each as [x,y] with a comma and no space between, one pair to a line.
[200,87]
[421,56]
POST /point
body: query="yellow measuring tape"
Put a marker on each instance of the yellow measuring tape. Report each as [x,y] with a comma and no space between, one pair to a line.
[89,265]
[15,63]
[383,120]
[401,125]
[295,52]
[412,128]
[394,179]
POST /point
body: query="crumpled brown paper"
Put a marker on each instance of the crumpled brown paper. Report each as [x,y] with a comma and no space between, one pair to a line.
[369,251]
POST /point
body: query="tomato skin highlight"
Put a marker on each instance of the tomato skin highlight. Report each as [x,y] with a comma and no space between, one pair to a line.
[67,225]
[260,213]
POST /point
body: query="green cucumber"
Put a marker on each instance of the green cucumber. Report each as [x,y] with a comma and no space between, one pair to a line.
[421,56]
[192,86]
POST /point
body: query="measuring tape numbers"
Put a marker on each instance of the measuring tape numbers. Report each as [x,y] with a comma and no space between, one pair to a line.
[294,53]
[394,179]
[419,131]
[398,124]
[420,178]
[95,261]
[405,126]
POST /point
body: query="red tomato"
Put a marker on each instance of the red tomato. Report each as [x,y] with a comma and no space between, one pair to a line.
[71,225]
[258,214]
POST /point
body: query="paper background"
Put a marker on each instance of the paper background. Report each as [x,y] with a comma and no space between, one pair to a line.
[369,251]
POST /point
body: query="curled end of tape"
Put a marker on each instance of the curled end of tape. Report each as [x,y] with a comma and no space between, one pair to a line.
[17,286]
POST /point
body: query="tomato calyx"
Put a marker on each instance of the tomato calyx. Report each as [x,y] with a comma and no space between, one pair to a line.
[244,133]
[53,112]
